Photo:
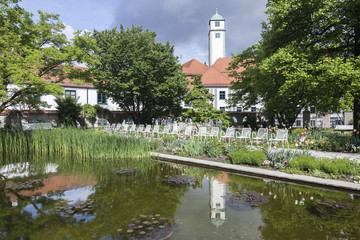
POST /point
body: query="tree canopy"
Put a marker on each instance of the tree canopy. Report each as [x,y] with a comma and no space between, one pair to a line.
[201,105]
[308,56]
[32,52]
[141,75]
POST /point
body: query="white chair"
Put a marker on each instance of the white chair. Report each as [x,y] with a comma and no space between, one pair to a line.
[261,135]
[229,134]
[118,127]
[202,133]
[140,129]
[175,130]
[132,128]
[156,129]
[188,131]
[214,132]
[124,129]
[147,130]
[281,136]
[166,130]
[245,134]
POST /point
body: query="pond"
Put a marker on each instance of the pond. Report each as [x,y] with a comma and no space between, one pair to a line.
[147,199]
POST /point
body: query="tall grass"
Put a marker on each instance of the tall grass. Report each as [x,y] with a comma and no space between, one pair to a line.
[74,143]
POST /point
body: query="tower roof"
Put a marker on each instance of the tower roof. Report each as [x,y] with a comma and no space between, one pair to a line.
[217,16]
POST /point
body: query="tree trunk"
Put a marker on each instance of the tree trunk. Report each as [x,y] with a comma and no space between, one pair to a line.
[356,113]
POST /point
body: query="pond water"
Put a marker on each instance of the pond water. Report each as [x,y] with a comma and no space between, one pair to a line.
[139,199]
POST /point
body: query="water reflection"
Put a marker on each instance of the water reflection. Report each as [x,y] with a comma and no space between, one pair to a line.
[217,200]
[201,210]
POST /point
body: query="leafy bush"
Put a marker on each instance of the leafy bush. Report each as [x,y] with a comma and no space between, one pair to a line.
[68,111]
[248,157]
[214,148]
[283,157]
[339,166]
[337,142]
[304,163]
[193,148]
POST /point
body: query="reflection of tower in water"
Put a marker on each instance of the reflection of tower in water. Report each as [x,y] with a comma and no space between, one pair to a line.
[217,201]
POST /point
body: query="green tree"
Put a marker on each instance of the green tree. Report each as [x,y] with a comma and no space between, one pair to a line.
[201,105]
[142,76]
[31,52]
[69,111]
[308,55]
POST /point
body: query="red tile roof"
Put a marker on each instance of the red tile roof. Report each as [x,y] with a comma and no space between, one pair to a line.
[194,67]
[213,77]
[67,82]
[216,75]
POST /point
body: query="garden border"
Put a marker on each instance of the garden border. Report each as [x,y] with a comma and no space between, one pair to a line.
[296,178]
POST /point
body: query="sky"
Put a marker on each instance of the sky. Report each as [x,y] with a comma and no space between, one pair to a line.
[184,23]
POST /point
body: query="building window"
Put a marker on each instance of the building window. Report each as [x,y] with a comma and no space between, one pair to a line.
[217,24]
[239,109]
[187,104]
[298,123]
[102,99]
[312,109]
[222,95]
[222,108]
[253,109]
[217,35]
[217,215]
[71,93]
[312,123]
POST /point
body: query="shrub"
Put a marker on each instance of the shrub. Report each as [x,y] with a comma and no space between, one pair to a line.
[304,163]
[337,142]
[214,149]
[248,157]
[283,157]
[193,148]
[339,166]
[68,111]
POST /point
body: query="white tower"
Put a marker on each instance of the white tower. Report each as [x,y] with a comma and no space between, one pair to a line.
[216,38]
[217,202]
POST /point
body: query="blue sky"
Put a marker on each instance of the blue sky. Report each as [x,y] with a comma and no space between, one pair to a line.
[182,22]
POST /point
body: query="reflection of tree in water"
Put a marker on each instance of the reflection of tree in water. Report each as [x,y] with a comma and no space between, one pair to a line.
[295,215]
[296,212]
[117,199]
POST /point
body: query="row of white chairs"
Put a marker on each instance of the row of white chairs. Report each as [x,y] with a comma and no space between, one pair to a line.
[246,134]
[262,135]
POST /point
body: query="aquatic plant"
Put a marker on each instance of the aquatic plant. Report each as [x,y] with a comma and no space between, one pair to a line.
[73,142]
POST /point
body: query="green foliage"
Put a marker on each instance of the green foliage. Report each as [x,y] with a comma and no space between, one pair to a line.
[337,142]
[214,148]
[88,110]
[68,111]
[72,142]
[201,105]
[31,53]
[339,166]
[279,159]
[141,75]
[304,163]
[248,157]
[303,60]
[193,148]
[336,166]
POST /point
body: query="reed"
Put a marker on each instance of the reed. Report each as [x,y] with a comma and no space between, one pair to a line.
[74,143]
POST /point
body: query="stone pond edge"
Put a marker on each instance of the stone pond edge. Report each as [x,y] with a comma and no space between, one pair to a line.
[330,183]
